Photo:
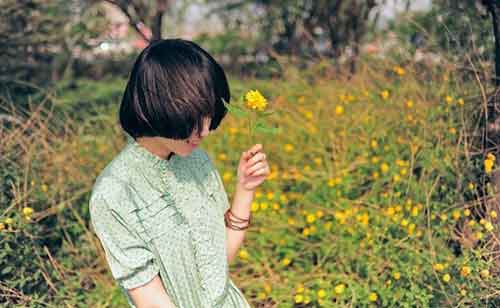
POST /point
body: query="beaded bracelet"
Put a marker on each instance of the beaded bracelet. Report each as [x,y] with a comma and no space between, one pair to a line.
[230,222]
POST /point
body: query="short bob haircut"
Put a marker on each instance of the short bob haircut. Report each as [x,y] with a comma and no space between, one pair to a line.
[173,86]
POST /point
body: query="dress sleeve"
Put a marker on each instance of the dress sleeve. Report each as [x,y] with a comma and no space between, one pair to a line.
[131,262]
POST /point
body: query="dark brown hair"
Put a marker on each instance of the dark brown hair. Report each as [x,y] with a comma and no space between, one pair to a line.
[173,85]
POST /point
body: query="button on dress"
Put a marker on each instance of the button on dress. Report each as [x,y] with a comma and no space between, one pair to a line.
[158,216]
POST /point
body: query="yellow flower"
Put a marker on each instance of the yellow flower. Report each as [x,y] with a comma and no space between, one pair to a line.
[321,293]
[222,156]
[263,206]
[243,254]
[254,207]
[455,214]
[396,275]
[288,147]
[409,103]
[261,295]
[384,168]
[374,144]
[384,94]
[446,277]
[373,297]
[488,226]
[227,176]
[466,212]
[27,211]
[45,188]
[438,267]
[310,218]
[267,288]
[2,226]
[448,99]
[460,101]
[319,213]
[255,100]
[339,289]
[465,271]
[493,214]
[317,161]
[484,273]
[306,231]
[9,221]
[299,298]
[488,165]
[399,70]
[286,261]
[339,110]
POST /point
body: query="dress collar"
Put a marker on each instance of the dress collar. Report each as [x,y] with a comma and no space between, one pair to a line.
[151,158]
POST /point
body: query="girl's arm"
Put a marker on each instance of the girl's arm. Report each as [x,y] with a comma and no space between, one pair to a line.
[252,171]
[151,295]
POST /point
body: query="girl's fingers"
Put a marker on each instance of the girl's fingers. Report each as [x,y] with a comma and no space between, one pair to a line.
[255,167]
[263,171]
[256,158]
[255,149]
[260,171]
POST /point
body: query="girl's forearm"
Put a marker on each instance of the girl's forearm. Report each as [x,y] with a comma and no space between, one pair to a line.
[241,208]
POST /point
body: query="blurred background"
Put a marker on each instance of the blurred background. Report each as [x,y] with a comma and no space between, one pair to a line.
[382,191]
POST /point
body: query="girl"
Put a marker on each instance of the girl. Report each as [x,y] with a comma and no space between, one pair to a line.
[159,208]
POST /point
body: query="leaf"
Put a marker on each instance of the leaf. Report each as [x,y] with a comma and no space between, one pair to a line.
[236,110]
[261,127]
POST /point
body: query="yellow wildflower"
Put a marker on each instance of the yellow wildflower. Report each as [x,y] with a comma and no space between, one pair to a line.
[465,271]
[286,261]
[255,100]
[373,297]
[299,298]
[288,147]
[299,288]
[222,156]
[45,188]
[339,110]
[310,218]
[254,207]
[27,211]
[243,254]
[488,226]
[493,214]
[384,168]
[9,221]
[321,293]
[438,267]
[227,176]
[339,289]
[384,94]
[446,277]
[448,99]
[261,295]
[396,275]
[484,273]
[466,212]
[488,165]
[409,103]
[460,101]
[399,70]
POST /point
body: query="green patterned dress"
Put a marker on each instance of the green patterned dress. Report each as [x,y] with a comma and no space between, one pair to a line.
[158,216]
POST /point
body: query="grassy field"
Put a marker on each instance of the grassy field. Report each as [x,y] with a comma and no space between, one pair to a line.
[372,199]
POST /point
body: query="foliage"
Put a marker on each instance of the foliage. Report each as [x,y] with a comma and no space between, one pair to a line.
[461,29]
[372,198]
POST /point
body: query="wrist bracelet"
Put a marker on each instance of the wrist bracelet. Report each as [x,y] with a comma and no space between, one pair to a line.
[230,223]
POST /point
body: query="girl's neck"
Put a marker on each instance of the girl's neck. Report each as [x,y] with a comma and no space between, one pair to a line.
[156,148]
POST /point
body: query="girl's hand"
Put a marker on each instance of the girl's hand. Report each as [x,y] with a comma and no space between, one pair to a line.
[253,168]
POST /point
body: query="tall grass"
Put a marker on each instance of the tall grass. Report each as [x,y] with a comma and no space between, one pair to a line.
[375,195]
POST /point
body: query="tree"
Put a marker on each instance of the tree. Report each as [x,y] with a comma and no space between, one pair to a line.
[297,26]
[144,14]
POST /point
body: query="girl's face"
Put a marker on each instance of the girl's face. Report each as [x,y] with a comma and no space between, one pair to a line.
[184,147]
